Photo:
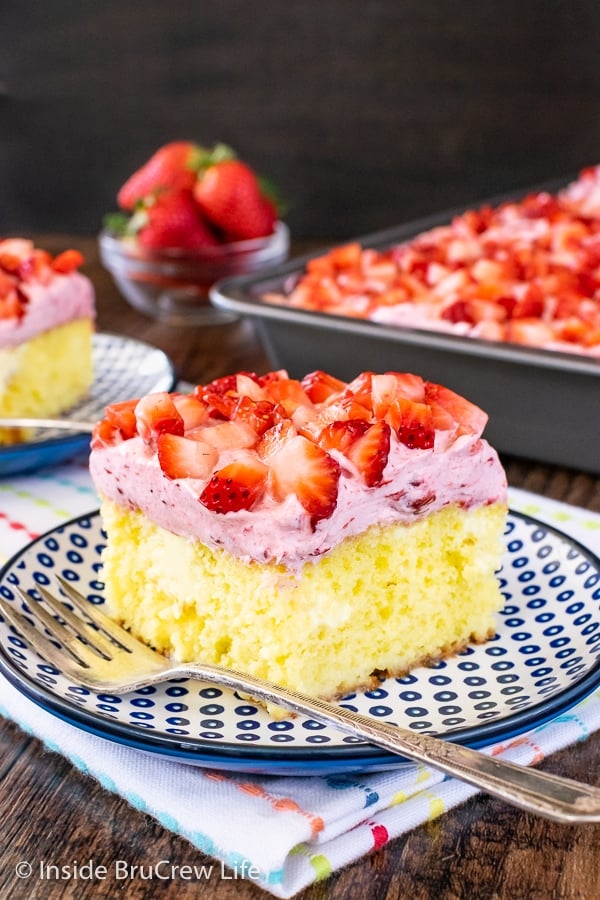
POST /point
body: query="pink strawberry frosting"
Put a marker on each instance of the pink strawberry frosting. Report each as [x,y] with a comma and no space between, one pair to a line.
[48,298]
[65,298]
[464,471]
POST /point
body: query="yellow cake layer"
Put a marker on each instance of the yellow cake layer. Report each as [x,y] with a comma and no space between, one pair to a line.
[46,375]
[383,601]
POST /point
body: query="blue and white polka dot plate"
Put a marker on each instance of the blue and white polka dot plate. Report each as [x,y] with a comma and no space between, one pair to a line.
[544,659]
[123,368]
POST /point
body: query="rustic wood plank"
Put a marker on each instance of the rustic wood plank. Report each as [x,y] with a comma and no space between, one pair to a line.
[366,115]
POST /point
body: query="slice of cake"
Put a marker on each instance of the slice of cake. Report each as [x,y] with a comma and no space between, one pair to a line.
[315,533]
[46,328]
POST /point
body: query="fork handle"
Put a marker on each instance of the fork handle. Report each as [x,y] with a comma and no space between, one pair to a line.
[59,424]
[557,798]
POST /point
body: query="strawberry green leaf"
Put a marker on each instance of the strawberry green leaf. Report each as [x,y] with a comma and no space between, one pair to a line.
[272,194]
[116,223]
[203,159]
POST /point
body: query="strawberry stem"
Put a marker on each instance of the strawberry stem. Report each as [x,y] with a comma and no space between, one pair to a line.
[116,223]
[203,159]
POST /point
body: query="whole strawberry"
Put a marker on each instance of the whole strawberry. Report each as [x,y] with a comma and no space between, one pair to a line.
[172,167]
[230,196]
[171,219]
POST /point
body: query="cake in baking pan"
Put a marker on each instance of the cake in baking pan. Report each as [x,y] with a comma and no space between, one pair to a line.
[523,272]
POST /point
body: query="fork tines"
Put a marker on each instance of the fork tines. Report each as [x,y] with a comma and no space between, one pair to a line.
[84,639]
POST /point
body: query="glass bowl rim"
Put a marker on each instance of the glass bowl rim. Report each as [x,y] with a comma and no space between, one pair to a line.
[116,246]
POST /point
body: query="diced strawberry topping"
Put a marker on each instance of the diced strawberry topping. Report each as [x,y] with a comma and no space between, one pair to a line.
[268,377]
[520,261]
[458,311]
[68,261]
[412,423]
[462,410]
[8,284]
[122,416]
[21,264]
[367,446]
[192,410]
[156,414]
[180,457]
[289,393]
[104,434]
[360,390]
[13,252]
[39,266]
[319,386]
[227,384]
[370,452]
[274,438]
[11,305]
[530,332]
[340,435]
[236,486]
[530,305]
[387,388]
[306,470]
[442,419]
[230,435]
[258,414]
[220,406]
[348,407]
[222,394]
[247,384]
[245,435]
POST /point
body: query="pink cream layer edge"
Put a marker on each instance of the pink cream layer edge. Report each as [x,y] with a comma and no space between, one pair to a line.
[65,298]
[466,472]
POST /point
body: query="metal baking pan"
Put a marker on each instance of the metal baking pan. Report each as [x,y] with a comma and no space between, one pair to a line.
[542,404]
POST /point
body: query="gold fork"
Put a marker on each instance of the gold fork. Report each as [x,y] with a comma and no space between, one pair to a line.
[60,424]
[97,653]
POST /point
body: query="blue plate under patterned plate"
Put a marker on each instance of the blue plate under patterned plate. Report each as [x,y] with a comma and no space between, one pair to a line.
[544,658]
[123,368]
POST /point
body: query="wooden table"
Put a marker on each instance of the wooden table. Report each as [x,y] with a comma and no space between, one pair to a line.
[480,850]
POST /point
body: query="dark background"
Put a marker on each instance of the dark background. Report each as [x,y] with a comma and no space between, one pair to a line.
[366,114]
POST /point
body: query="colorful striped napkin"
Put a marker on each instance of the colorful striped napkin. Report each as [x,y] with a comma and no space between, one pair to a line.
[283,833]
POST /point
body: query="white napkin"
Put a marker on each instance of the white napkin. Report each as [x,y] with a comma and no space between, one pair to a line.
[283,833]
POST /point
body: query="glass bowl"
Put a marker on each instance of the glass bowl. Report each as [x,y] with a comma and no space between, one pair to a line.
[173,285]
